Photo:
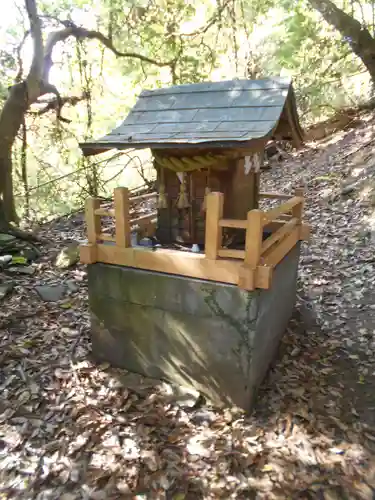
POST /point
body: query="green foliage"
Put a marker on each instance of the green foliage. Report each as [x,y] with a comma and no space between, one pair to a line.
[316,57]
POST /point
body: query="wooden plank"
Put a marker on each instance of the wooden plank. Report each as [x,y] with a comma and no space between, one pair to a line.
[274,255]
[144,218]
[275,196]
[230,253]
[121,196]
[148,227]
[178,263]
[285,217]
[249,279]
[87,254]
[92,220]
[141,197]
[241,194]
[253,247]
[274,225]
[106,237]
[297,211]
[235,223]
[105,212]
[280,234]
[214,233]
[286,207]
[277,224]
[234,152]
[253,242]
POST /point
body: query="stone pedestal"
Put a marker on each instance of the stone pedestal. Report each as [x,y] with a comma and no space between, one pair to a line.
[211,336]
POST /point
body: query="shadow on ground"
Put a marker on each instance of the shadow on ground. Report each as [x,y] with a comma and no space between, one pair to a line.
[80,432]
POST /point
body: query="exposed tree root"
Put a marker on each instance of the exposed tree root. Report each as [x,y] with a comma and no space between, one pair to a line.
[19,233]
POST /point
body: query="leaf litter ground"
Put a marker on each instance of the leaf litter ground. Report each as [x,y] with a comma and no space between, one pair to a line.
[70,429]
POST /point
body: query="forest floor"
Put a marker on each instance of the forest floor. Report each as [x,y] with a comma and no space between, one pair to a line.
[70,430]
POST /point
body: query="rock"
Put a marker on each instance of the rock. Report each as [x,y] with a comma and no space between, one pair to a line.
[5,288]
[22,270]
[51,293]
[182,396]
[30,253]
[68,256]
[203,416]
[348,190]
[5,238]
[72,285]
[4,260]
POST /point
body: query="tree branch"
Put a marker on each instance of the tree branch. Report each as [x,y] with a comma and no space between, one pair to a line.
[48,88]
[211,21]
[19,74]
[357,36]
[53,105]
[36,70]
[82,33]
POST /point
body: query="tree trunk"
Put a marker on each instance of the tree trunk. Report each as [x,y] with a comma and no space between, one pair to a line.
[11,119]
[359,38]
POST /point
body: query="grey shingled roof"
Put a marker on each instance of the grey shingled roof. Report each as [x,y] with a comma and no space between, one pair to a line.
[226,112]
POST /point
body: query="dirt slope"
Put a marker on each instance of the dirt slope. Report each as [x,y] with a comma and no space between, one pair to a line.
[70,430]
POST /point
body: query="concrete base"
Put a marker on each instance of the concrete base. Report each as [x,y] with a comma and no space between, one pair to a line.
[211,336]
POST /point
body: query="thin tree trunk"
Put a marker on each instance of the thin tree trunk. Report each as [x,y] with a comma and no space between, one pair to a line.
[11,119]
[358,36]
[24,170]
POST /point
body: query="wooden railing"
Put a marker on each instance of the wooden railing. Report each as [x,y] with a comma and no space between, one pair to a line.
[123,224]
[249,268]
[288,230]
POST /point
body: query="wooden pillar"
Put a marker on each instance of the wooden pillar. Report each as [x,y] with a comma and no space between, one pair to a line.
[258,162]
[253,249]
[254,240]
[92,220]
[121,196]
[243,191]
[214,233]
[254,179]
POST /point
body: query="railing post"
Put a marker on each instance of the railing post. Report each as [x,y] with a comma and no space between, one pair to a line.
[253,249]
[297,211]
[214,233]
[92,221]
[122,220]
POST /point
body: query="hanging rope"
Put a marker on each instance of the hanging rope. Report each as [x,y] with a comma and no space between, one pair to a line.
[182,166]
[183,201]
[189,164]
[162,198]
[207,191]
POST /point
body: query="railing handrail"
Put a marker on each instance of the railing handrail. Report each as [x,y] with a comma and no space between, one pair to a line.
[275,196]
[279,234]
[233,223]
[282,209]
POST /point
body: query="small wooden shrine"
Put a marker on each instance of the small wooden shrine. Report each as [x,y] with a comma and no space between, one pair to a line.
[211,317]
[206,137]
